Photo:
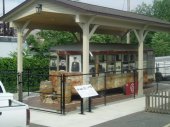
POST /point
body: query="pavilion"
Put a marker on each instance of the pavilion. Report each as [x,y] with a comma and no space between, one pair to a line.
[67,15]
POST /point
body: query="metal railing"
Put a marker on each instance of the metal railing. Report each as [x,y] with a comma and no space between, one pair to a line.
[107,84]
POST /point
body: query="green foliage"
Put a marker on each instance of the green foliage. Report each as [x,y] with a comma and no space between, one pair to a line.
[147,10]
[31,41]
[38,69]
[8,63]
[161,41]
[35,62]
[158,41]
[100,38]
[161,9]
[144,9]
[56,37]
[160,44]
[45,39]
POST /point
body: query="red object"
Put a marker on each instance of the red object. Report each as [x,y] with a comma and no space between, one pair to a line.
[130,87]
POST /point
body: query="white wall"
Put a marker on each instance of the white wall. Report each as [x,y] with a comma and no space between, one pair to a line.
[6,48]
[163,63]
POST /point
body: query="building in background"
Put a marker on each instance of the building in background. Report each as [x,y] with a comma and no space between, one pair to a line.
[162,65]
[7,45]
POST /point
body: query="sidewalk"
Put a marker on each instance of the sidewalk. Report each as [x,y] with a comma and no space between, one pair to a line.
[99,115]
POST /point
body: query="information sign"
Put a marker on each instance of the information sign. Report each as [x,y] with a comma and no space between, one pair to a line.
[86,91]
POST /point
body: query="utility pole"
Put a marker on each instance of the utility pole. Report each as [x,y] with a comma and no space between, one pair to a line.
[128,34]
[4,27]
[3,3]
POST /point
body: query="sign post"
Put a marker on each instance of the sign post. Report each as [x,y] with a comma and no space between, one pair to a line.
[86,91]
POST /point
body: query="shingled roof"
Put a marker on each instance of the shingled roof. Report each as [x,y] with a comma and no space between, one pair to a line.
[109,20]
[108,11]
[98,47]
[98,10]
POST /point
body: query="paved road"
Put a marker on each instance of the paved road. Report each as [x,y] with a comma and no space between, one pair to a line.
[162,85]
[140,119]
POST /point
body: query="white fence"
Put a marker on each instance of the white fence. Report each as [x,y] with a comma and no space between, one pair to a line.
[158,102]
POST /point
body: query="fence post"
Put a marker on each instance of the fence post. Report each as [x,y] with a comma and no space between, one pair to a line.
[64,81]
[89,104]
[61,94]
[134,78]
[146,102]
[157,79]
[169,101]
[20,87]
[159,102]
[166,101]
[105,88]
[28,86]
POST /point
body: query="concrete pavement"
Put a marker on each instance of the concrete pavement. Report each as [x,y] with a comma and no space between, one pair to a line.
[99,115]
[129,113]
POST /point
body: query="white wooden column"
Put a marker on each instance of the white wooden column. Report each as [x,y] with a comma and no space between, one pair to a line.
[86,37]
[87,34]
[19,63]
[85,29]
[128,34]
[140,34]
[20,40]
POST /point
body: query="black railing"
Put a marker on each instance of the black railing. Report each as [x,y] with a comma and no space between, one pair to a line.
[105,83]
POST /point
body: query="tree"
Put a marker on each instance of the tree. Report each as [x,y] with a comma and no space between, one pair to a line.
[161,9]
[101,38]
[144,9]
[158,41]
[161,41]
[31,41]
[45,39]
[161,44]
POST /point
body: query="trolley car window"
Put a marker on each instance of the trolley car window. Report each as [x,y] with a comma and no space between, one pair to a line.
[1,90]
[132,58]
[125,58]
[102,58]
[118,57]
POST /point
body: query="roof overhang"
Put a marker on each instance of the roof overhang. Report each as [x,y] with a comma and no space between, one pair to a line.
[64,15]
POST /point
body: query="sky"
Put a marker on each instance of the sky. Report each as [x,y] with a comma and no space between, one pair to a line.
[116,4]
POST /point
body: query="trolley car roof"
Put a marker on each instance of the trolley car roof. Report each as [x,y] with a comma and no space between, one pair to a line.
[97,48]
[64,15]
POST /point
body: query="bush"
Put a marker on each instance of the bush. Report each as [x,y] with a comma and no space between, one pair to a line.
[34,70]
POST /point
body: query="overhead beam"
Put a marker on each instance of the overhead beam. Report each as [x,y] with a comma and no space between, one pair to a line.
[26,34]
[76,29]
[93,30]
[77,39]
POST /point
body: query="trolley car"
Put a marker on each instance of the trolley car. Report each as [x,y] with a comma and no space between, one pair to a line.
[111,65]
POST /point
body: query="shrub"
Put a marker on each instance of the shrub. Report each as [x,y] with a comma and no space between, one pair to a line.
[35,69]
